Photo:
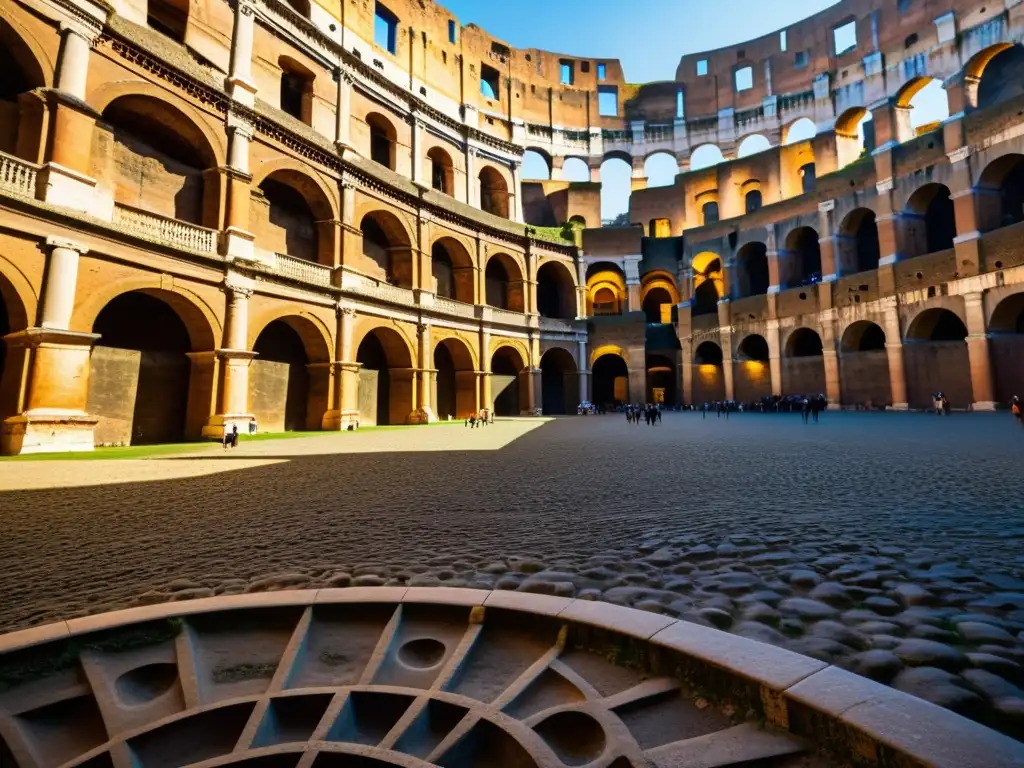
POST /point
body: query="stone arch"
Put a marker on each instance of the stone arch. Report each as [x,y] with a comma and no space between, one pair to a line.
[659,297]
[862,336]
[292,212]
[533,157]
[455,383]
[494,192]
[386,379]
[851,140]
[143,387]
[610,376]
[316,338]
[139,129]
[708,282]
[1002,180]
[504,286]
[930,221]
[452,270]
[752,144]
[753,348]
[1006,346]
[803,342]
[289,378]
[708,373]
[992,75]
[751,369]
[660,375]
[918,106]
[26,67]
[387,247]
[383,139]
[559,381]
[803,253]
[556,290]
[17,305]
[442,170]
[864,366]
[509,369]
[803,364]
[935,357]
[660,168]
[705,156]
[606,289]
[797,130]
[857,246]
[753,275]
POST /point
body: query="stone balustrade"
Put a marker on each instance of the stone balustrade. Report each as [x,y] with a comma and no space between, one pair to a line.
[17,176]
[453,307]
[164,229]
[303,270]
[557,325]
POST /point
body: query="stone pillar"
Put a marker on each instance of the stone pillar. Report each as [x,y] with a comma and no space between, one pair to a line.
[725,336]
[61,282]
[584,370]
[774,356]
[239,83]
[517,190]
[472,183]
[233,361]
[638,179]
[595,171]
[343,111]
[237,239]
[417,152]
[344,410]
[686,363]
[894,354]
[631,266]
[424,410]
[833,391]
[556,168]
[978,354]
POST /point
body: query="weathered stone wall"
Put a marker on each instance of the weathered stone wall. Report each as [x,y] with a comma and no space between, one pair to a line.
[803,376]
[937,366]
[864,378]
[751,381]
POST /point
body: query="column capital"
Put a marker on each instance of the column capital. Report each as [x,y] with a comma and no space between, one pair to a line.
[246,7]
[62,242]
[343,310]
[238,291]
[88,30]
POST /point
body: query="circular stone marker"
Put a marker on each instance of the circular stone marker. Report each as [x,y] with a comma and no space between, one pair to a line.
[453,677]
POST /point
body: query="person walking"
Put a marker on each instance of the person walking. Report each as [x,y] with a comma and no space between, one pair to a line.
[1015,409]
[234,435]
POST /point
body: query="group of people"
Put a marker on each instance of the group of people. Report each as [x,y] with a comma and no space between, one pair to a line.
[484,417]
[650,413]
[941,404]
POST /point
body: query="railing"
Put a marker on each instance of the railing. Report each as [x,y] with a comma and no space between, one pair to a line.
[453,307]
[302,270]
[654,133]
[163,229]
[507,316]
[556,324]
[17,176]
[384,292]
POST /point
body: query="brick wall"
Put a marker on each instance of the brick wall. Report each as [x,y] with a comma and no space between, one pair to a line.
[751,381]
[708,384]
[933,366]
[803,375]
[278,394]
[1007,353]
[368,391]
[864,378]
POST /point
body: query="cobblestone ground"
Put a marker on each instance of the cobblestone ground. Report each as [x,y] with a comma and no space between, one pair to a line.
[890,544]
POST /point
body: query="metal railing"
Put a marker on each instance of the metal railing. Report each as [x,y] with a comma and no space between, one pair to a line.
[164,229]
[17,175]
[303,270]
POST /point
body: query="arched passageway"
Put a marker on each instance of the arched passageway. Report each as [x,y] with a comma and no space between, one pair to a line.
[286,392]
[929,221]
[935,359]
[857,248]
[494,195]
[753,273]
[452,269]
[559,382]
[708,376]
[507,386]
[12,318]
[751,376]
[455,391]
[661,379]
[19,127]
[708,283]
[284,220]
[1000,193]
[610,380]
[556,293]
[658,305]
[864,366]
[140,376]
[803,257]
[803,366]
[387,253]
[503,283]
[1000,74]
[442,171]
[1006,348]
[385,378]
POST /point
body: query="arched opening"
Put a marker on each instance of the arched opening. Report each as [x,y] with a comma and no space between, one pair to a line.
[283,220]
[803,129]
[708,377]
[556,292]
[168,17]
[708,283]
[279,380]
[493,192]
[456,389]
[925,104]
[507,368]
[752,145]
[141,132]
[855,135]
[605,302]
[752,200]
[452,269]
[753,269]
[19,128]
[864,366]
[296,90]
[803,367]
[705,156]
[935,359]
[616,184]
[657,305]
[606,289]
[930,222]
[1000,193]
[1006,347]
[383,140]
[661,169]
[857,248]
[803,256]
[661,379]
[559,385]
[1000,70]
[610,380]
[751,371]
[442,171]
[709,213]
[140,373]
[385,378]
[503,282]
[536,165]
[575,169]
[12,318]
[387,252]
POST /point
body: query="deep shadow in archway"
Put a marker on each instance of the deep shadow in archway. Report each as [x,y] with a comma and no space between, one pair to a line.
[936,360]
[610,377]
[279,379]
[558,382]
[506,370]
[375,376]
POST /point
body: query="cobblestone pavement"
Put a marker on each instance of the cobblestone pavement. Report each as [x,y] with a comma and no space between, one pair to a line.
[892,544]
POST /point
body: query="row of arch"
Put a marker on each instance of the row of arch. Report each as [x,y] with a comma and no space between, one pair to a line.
[607,293]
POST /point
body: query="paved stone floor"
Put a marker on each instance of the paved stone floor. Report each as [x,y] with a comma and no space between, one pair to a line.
[892,544]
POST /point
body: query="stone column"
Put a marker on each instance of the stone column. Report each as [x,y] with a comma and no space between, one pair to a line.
[725,336]
[239,82]
[894,354]
[424,411]
[584,370]
[638,179]
[774,356]
[686,363]
[978,354]
[237,239]
[833,390]
[61,282]
[517,190]
[234,359]
[472,185]
[343,111]
[631,266]
[417,152]
[486,384]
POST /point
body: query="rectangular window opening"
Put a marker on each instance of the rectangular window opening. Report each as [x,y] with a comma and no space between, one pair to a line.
[845,38]
[451,30]
[607,101]
[679,102]
[168,18]
[800,60]
[566,72]
[385,29]
[490,81]
[782,41]
[601,71]
[584,67]
[744,78]
[702,67]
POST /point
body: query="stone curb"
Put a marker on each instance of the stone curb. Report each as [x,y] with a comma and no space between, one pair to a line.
[917,730]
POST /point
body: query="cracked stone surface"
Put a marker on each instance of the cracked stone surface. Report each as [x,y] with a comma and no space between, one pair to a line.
[889,544]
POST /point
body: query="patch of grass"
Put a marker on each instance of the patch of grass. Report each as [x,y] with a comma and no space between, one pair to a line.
[238,672]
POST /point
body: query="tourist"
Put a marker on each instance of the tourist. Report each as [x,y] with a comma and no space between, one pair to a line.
[1015,409]
[947,408]
[805,410]
[234,435]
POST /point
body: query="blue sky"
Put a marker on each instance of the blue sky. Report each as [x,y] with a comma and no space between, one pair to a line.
[648,38]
